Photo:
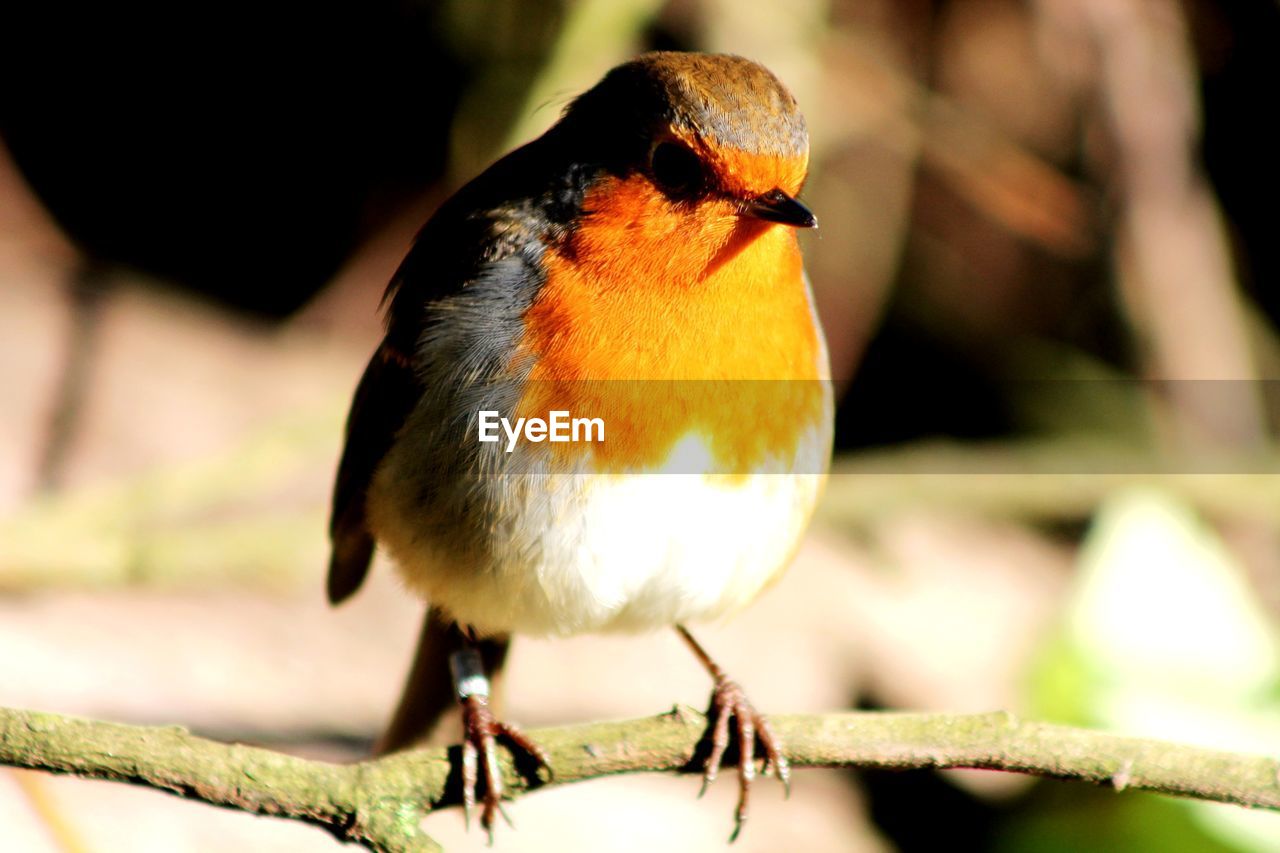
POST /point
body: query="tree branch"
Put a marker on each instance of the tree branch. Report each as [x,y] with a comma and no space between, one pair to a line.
[380,803]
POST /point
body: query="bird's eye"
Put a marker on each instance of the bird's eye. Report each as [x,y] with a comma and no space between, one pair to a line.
[676,170]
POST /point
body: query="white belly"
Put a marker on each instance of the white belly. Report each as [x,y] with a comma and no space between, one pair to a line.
[583,553]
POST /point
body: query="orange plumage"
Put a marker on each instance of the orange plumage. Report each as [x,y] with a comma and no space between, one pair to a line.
[661,298]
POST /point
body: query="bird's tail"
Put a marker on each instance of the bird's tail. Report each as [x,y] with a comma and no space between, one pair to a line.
[428,703]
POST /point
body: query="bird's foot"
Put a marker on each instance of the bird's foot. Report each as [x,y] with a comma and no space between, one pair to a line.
[729,703]
[480,733]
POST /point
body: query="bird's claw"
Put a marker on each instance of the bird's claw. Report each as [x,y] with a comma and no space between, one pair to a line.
[729,703]
[480,733]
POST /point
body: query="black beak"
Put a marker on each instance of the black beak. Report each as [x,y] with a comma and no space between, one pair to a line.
[777,206]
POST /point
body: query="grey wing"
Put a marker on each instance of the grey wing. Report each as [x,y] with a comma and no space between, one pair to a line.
[386,395]
[475,274]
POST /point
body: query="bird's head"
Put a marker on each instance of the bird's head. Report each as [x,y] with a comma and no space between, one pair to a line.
[704,146]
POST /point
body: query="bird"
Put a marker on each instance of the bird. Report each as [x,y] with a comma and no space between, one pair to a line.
[637,263]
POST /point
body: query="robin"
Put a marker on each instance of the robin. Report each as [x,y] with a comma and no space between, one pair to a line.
[637,264]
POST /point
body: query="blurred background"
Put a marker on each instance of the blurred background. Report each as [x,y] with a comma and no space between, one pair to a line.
[1048,282]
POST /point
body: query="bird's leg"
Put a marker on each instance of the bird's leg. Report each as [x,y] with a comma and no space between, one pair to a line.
[729,702]
[480,731]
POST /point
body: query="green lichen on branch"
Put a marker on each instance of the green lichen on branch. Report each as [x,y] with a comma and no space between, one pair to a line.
[380,803]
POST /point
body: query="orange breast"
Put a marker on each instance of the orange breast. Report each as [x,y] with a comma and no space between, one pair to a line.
[666,319]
